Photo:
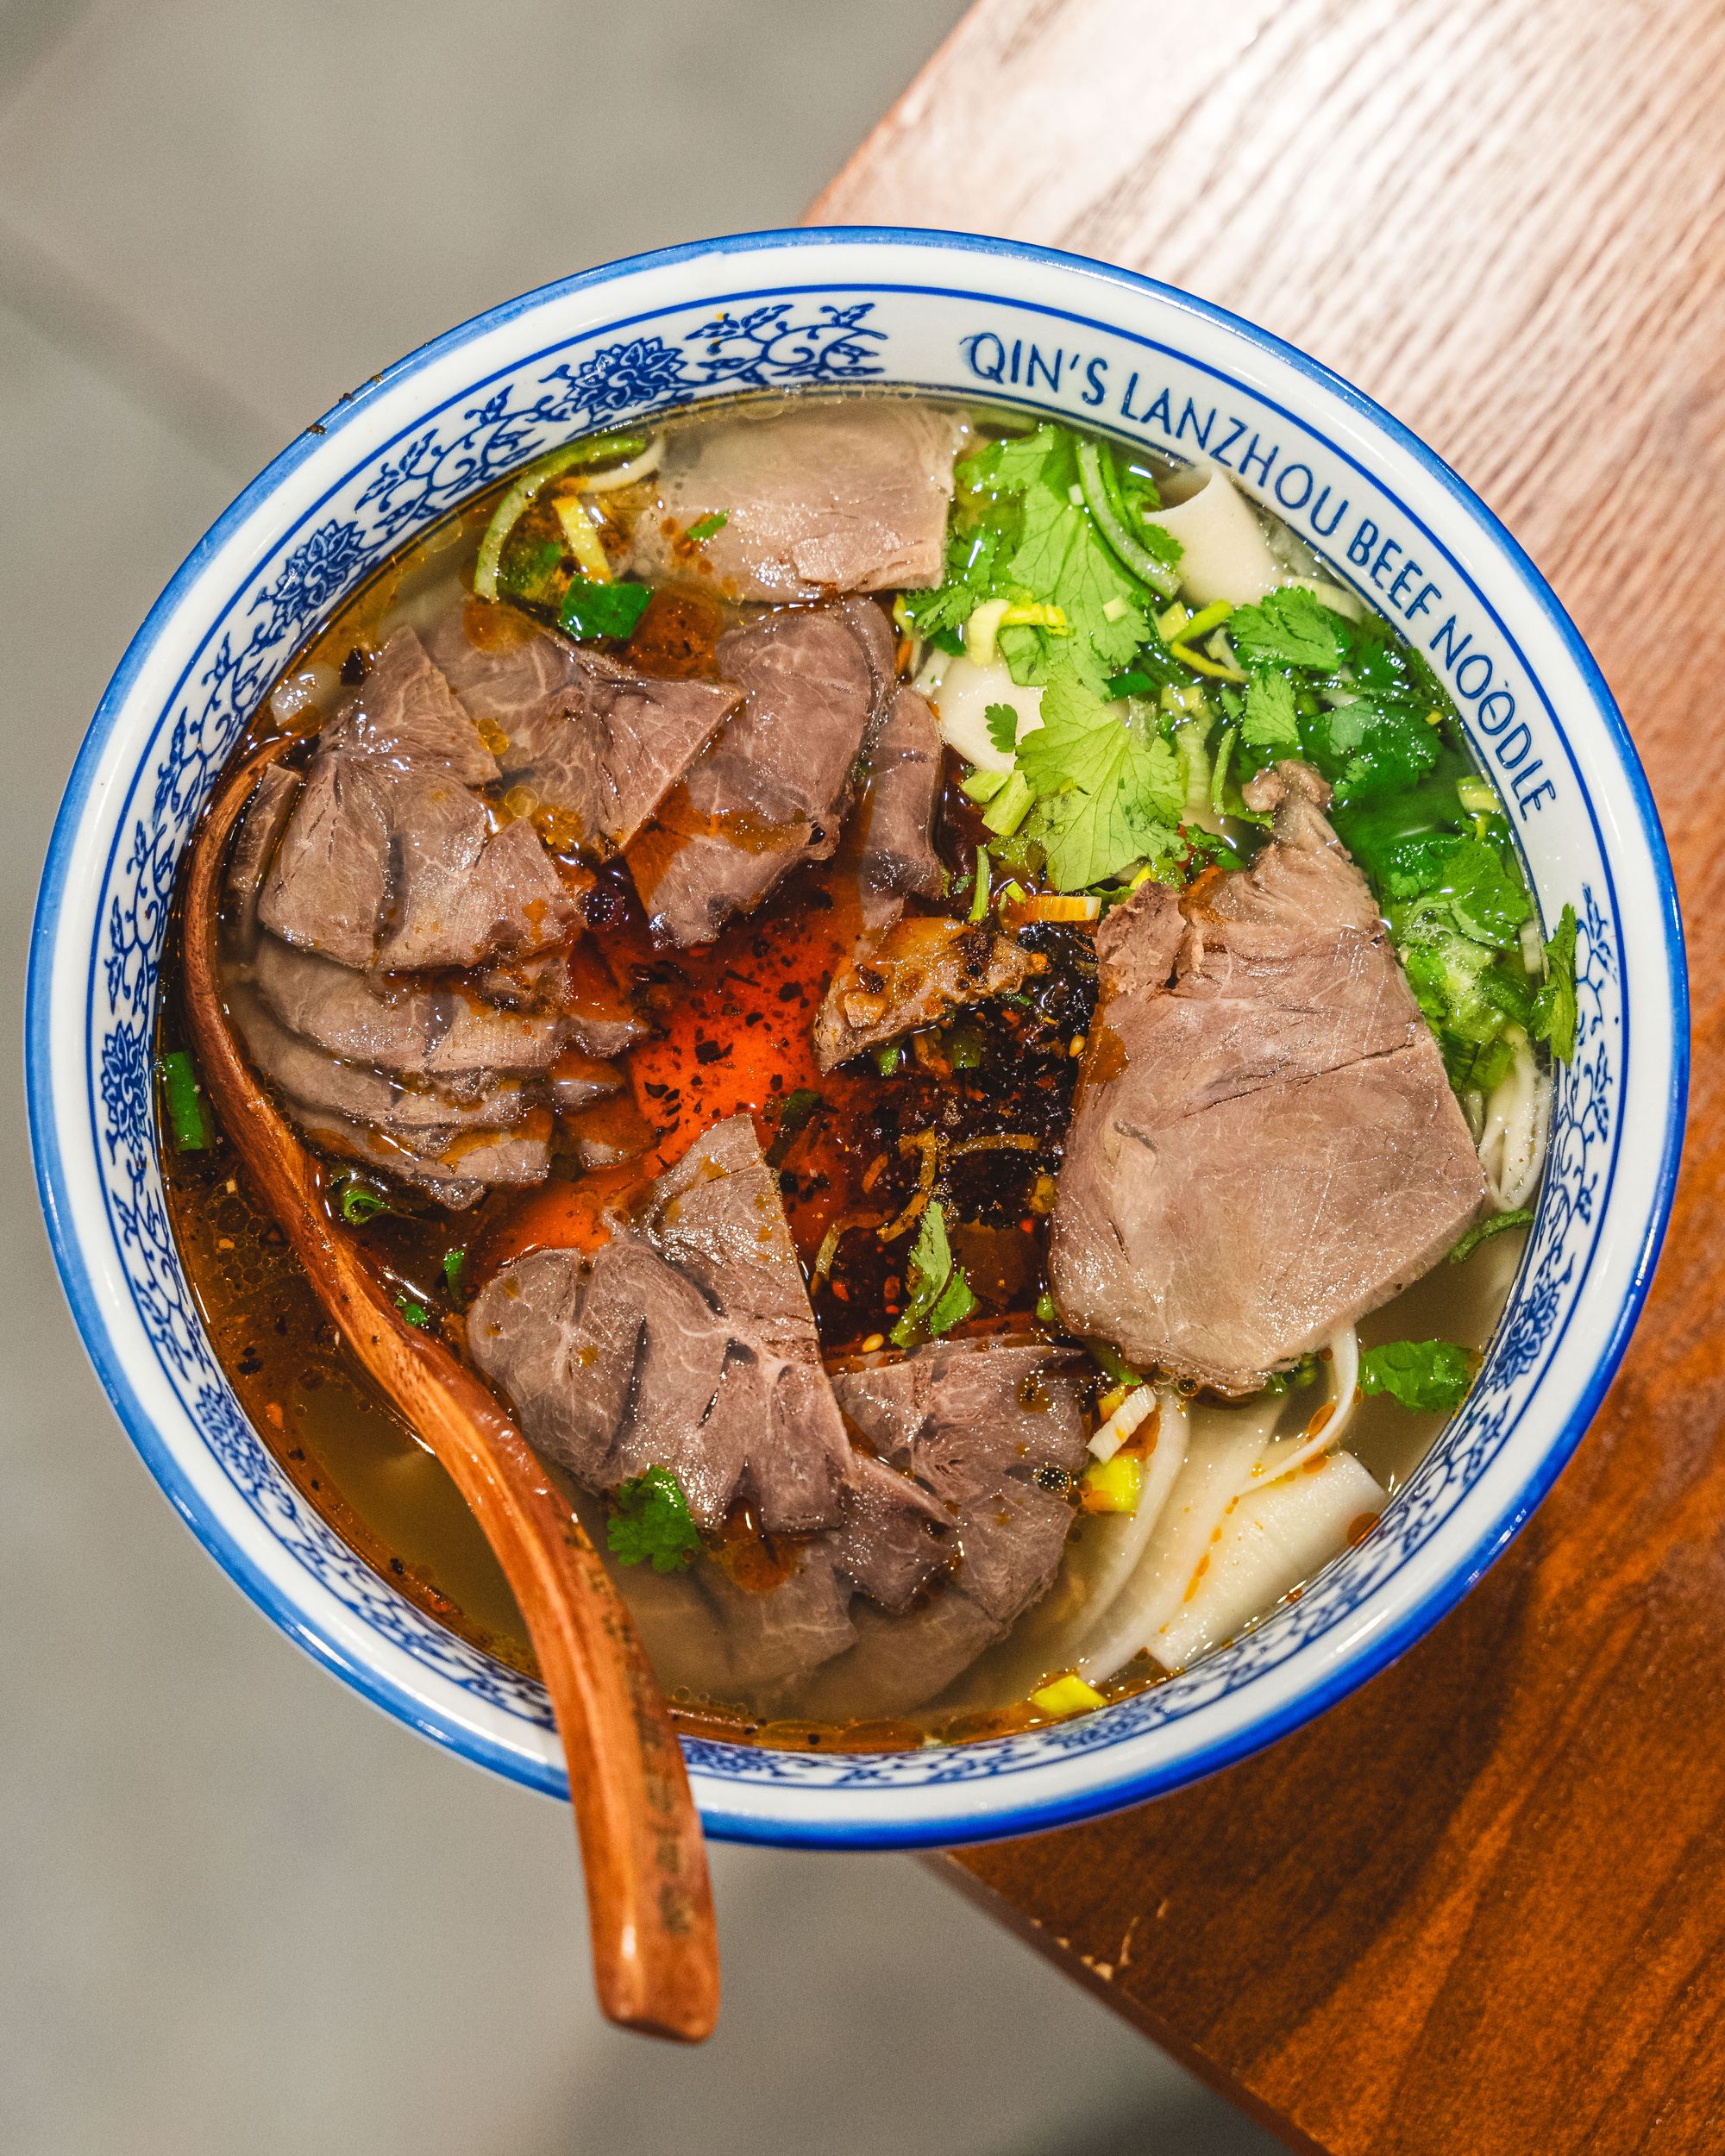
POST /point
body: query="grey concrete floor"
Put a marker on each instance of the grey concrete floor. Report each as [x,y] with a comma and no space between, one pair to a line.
[241,1911]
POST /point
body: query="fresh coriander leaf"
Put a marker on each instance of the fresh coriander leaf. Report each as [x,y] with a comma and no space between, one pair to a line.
[1085,740]
[415,1312]
[1485,900]
[454,1263]
[1002,721]
[1554,1007]
[650,1522]
[1483,1231]
[1107,797]
[939,1294]
[1021,462]
[1291,627]
[1269,724]
[940,614]
[1062,561]
[1157,540]
[1366,748]
[602,610]
[1431,1376]
[708,527]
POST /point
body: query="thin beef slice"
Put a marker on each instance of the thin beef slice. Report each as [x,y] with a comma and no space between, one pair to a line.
[824,498]
[1264,1147]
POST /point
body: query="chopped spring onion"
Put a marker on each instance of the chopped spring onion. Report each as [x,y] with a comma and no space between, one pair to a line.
[1483,1231]
[1099,499]
[188,1114]
[602,610]
[1138,1405]
[982,785]
[887,1060]
[453,1262]
[1010,805]
[584,544]
[979,897]
[980,630]
[1188,658]
[1045,1312]
[706,528]
[1479,797]
[358,1204]
[1067,1694]
[415,1312]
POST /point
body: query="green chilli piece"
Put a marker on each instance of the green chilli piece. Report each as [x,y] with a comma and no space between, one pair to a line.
[528,483]
[591,610]
[1094,475]
[189,1118]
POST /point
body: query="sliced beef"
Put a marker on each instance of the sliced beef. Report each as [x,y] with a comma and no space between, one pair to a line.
[773,789]
[893,1536]
[317,1082]
[458,1167]
[329,884]
[264,819]
[824,497]
[686,1343]
[913,973]
[607,751]
[514,674]
[736,1647]
[405,716]
[421,1029]
[993,1431]
[900,1663]
[578,1081]
[718,1216]
[1265,1146]
[895,816]
[389,857]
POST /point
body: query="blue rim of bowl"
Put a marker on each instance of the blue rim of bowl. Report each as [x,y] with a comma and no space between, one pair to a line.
[1104,1794]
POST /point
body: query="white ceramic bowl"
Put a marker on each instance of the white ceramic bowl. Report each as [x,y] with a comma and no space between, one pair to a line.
[1049,333]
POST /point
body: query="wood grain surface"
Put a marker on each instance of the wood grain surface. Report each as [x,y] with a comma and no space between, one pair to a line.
[1480,1907]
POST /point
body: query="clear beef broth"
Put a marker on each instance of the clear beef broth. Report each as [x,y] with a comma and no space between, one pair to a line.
[976,1107]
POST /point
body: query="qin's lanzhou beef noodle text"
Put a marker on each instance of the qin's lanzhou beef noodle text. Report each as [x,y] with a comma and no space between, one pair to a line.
[939,1009]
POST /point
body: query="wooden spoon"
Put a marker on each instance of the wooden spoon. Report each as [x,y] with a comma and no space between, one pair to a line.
[649,1904]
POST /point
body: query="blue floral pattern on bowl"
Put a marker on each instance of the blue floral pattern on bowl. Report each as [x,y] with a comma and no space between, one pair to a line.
[601,362]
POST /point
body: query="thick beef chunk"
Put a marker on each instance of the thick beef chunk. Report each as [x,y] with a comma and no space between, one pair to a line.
[1266,1147]
[389,858]
[686,1343]
[895,817]
[423,1032]
[773,788]
[913,973]
[825,498]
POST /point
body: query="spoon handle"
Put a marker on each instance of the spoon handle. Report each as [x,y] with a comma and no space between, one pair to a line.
[649,1902]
